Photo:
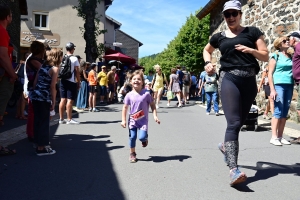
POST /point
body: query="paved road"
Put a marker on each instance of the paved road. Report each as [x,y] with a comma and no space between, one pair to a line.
[181,162]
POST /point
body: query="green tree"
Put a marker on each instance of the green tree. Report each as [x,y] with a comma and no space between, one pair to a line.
[185,49]
[87,10]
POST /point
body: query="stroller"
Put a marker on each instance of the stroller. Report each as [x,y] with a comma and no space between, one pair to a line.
[251,120]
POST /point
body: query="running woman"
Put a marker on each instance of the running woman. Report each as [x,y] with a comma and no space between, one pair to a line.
[138,100]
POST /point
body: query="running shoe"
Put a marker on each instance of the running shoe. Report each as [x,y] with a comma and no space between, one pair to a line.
[236,177]
[132,157]
[144,144]
[217,114]
[207,113]
[275,141]
[284,141]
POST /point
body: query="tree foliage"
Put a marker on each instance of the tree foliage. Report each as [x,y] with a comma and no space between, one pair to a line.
[87,10]
[185,49]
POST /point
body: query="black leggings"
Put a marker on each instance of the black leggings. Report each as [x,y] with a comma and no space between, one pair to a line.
[237,95]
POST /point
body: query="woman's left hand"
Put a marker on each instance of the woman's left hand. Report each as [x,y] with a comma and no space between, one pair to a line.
[244,49]
[156,119]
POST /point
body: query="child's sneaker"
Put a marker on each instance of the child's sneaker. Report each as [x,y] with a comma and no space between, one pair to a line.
[236,177]
[132,157]
[96,110]
[144,144]
[91,109]
[45,152]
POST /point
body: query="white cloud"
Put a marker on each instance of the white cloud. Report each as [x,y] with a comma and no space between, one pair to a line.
[154,23]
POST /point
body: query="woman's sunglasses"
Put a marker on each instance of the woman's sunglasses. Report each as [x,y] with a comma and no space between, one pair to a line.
[284,41]
[228,14]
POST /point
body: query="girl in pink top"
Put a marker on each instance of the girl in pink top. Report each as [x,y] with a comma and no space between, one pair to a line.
[138,100]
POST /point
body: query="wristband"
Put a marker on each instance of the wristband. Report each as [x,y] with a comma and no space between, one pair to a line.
[207,62]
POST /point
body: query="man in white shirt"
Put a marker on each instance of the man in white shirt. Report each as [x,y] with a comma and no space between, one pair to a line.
[69,87]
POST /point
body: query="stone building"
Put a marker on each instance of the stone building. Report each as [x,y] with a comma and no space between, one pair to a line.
[57,23]
[18,8]
[273,17]
[130,46]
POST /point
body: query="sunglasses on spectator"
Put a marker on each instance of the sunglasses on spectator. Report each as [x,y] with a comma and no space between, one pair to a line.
[228,14]
[284,41]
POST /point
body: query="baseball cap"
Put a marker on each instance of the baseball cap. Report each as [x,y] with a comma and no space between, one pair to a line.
[78,57]
[295,34]
[70,46]
[234,4]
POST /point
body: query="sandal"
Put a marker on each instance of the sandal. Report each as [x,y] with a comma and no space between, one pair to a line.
[6,151]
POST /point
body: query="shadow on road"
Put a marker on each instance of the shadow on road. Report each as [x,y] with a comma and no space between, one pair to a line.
[80,169]
[271,170]
[159,159]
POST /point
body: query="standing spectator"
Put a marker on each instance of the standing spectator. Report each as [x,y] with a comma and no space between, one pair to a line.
[265,82]
[193,85]
[202,89]
[240,48]
[180,81]
[32,64]
[210,83]
[174,87]
[82,97]
[43,98]
[295,42]
[150,76]
[69,88]
[103,83]
[79,58]
[93,88]
[187,81]
[158,84]
[111,83]
[7,73]
[282,85]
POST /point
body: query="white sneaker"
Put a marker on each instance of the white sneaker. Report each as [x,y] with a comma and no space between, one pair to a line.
[45,152]
[73,122]
[25,113]
[62,121]
[207,113]
[157,107]
[217,114]
[96,110]
[284,141]
[168,104]
[275,142]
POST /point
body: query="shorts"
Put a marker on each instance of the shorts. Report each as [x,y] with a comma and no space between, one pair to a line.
[93,89]
[158,89]
[298,101]
[283,100]
[103,90]
[111,87]
[68,90]
[267,91]
[186,89]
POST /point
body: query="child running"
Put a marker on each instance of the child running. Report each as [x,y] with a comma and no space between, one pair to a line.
[138,100]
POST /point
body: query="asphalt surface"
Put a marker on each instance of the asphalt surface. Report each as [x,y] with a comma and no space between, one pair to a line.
[182,161]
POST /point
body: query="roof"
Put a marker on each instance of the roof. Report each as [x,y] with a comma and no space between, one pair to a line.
[116,23]
[208,8]
[140,44]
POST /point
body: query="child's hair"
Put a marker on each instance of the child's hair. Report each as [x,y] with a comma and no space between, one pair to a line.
[140,73]
[54,57]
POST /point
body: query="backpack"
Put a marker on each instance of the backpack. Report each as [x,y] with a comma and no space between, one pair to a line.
[65,68]
[186,78]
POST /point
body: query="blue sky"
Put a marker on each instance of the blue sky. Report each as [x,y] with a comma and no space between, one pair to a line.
[153,22]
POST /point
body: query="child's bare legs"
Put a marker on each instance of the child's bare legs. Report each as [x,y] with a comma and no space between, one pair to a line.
[91,100]
[94,99]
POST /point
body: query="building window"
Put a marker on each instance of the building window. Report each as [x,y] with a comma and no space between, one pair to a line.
[40,20]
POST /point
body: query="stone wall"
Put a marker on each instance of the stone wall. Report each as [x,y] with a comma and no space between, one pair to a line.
[273,17]
[14,28]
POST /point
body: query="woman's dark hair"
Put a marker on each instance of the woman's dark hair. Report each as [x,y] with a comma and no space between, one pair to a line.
[37,47]
[4,11]
[173,71]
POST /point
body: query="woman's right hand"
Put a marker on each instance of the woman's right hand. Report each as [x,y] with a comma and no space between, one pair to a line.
[209,67]
[258,89]
[273,94]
